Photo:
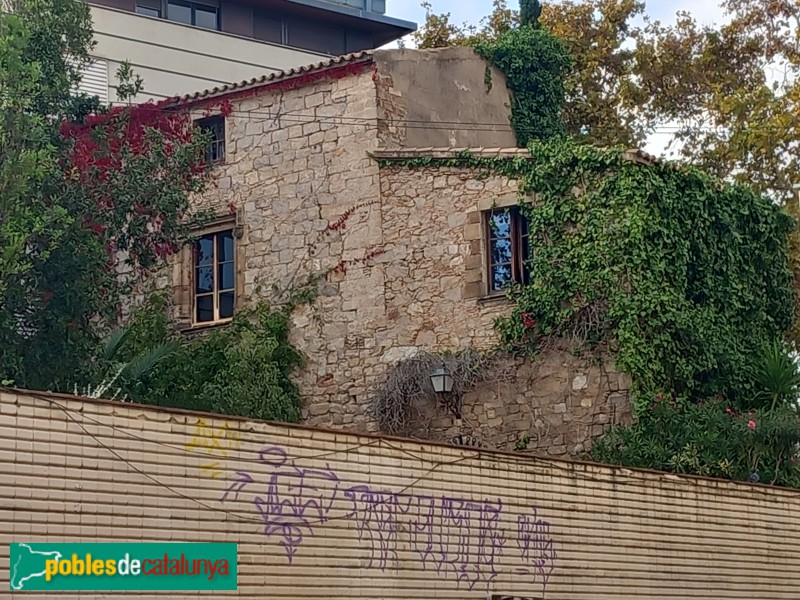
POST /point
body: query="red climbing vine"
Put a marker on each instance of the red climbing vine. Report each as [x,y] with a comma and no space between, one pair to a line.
[130,171]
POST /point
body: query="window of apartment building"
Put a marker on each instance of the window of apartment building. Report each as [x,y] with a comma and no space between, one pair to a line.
[508,248]
[309,34]
[316,36]
[215,152]
[267,27]
[149,8]
[214,275]
[193,13]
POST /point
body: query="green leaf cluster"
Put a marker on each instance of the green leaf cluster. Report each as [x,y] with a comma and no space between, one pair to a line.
[244,369]
[709,439]
[683,277]
[535,64]
[70,203]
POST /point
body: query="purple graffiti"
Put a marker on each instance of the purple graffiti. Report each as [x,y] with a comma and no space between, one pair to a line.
[479,540]
[376,517]
[295,500]
[536,547]
[459,538]
[241,482]
[469,556]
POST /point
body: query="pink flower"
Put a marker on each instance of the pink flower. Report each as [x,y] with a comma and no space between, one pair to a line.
[751,424]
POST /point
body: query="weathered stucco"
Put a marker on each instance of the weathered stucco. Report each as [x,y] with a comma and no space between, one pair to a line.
[443,97]
[308,198]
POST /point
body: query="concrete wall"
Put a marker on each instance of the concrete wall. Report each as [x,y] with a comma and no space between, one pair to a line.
[448,97]
[360,517]
[175,59]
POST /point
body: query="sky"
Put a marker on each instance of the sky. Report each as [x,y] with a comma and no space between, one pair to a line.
[472,11]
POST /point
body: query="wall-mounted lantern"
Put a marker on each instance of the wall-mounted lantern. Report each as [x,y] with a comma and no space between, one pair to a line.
[442,380]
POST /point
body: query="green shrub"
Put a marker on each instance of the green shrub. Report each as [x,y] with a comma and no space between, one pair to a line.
[243,369]
[710,439]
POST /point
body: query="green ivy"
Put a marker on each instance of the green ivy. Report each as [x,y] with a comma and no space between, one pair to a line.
[682,277]
[534,62]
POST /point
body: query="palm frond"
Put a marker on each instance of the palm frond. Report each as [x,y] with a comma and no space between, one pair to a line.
[115,342]
[777,375]
[138,368]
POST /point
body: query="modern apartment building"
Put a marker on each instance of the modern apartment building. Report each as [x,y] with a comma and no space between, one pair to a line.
[182,46]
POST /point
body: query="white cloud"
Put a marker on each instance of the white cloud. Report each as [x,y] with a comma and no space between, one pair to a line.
[706,12]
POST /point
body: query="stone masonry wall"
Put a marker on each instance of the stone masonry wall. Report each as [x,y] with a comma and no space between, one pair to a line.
[296,160]
[556,405]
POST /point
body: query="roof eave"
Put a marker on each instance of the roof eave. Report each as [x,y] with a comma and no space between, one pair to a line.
[265,81]
[398,24]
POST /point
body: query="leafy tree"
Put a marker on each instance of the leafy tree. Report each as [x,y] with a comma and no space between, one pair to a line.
[728,95]
[529,12]
[77,192]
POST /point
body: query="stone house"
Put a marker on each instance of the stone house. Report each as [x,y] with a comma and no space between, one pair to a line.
[306,183]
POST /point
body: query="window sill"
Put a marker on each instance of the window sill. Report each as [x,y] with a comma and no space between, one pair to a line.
[193,328]
[495,298]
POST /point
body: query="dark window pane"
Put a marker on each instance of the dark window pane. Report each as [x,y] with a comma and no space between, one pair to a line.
[524,258]
[179,13]
[501,251]
[215,126]
[147,11]
[216,151]
[225,246]
[501,277]
[316,36]
[500,225]
[205,17]
[204,251]
[226,303]
[205,309]
[267,28]
[204,280]
[522,223]
[226,276]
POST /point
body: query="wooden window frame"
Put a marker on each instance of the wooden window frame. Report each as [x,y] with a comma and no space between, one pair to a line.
[217,144]
[216,291]
[520,272]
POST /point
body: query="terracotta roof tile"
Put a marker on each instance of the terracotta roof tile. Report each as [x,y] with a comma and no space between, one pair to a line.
[336,61]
